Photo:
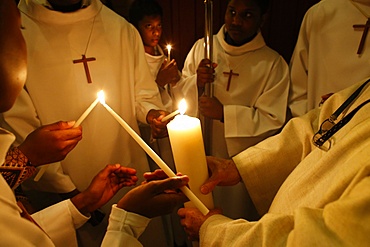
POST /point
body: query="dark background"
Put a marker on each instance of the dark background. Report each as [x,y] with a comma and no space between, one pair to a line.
[183,23]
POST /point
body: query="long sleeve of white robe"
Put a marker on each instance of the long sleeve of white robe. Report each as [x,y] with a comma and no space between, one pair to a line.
[307,196]
[60,222]
[124,228]
[255,105]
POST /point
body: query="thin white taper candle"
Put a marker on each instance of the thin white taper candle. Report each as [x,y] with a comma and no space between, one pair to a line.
[86,113]
[169,116]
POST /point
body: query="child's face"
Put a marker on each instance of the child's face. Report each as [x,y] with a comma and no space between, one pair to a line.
[242,20]
[150,29]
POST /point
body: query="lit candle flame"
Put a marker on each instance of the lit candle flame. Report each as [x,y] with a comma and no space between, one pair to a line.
[182,106]
[169,47]
[101,97]
[181,110]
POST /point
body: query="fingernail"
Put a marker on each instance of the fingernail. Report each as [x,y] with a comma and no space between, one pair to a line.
[71,123]
[204,189]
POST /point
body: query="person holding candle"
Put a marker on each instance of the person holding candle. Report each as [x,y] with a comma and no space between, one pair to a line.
[78,57]
[309,191]
[146,16]
[250,85]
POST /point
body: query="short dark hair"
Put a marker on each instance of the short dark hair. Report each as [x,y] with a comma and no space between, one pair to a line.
[141,8]
[263,4]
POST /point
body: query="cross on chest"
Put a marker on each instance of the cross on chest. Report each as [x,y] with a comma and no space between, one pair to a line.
[230,74]
[364,34]
[85,60]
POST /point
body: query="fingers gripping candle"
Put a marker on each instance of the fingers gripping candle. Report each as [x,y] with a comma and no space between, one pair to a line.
[189,155]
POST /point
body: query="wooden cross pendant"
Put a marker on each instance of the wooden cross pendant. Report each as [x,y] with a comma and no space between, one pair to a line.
[364,34]
[84,60]
[229,80]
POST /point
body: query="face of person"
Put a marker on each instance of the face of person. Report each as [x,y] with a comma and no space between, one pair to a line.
[242,20]
[150,29]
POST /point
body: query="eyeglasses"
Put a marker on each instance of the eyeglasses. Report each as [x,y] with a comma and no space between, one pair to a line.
[328,128]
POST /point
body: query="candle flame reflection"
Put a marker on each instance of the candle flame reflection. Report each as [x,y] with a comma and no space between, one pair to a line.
[182,107]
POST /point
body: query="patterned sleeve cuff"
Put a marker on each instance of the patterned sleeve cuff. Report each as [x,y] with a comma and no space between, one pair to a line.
[16,168]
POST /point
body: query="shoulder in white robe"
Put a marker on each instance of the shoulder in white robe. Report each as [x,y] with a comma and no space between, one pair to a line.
[325,58]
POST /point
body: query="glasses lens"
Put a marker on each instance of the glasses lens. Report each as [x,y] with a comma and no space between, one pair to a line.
[326,125]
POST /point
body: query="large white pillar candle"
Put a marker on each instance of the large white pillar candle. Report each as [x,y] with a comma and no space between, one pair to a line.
[188,152]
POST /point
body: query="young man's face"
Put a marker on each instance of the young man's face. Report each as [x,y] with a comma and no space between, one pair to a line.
[150,29]
[242,20]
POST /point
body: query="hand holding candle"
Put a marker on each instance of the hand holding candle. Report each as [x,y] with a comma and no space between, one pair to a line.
[169,47]
[77,123]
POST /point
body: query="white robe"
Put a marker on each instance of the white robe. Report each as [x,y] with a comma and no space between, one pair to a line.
[309,197]
[155,63]
[325,58]
[255,106]
[57,89]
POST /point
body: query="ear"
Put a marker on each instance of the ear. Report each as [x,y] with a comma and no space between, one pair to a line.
[264,18]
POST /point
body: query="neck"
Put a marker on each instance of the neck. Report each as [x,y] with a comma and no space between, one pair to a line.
[66,8]
[151,50]
[230,41]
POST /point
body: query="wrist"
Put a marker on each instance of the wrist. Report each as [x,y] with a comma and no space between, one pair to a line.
[17,167]
[80,201]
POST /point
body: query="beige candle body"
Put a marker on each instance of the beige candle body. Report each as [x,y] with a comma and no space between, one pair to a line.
[188,152]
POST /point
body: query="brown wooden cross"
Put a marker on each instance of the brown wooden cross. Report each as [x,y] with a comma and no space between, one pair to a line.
[364,34]
[230,74]
[84,60]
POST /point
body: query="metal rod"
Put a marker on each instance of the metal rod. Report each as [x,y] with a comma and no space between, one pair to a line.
[208,53]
